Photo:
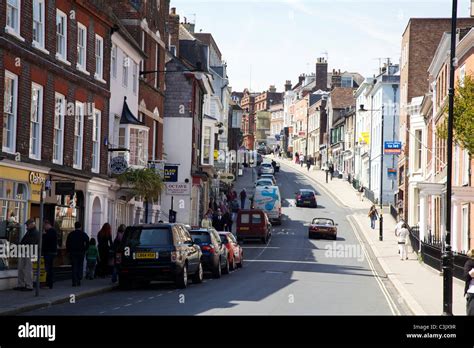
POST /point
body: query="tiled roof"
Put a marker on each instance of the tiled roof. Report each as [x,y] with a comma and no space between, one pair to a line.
[342,98]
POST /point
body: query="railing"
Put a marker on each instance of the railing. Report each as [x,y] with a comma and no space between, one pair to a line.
[431,252]
[393,211]
[369,195]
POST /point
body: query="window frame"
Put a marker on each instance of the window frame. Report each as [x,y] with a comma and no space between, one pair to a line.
[15,31]
[14,114]
[77,159]
[113,60]
[96,136]
[39,43]
[125,72]
[39,122]
[61,116]
[99,75]
[135,78]
[82,67]
[61,15]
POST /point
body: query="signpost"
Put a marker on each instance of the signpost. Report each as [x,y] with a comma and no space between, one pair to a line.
[393,148]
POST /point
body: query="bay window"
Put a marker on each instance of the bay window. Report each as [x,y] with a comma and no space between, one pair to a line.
[134,138]
[206,158]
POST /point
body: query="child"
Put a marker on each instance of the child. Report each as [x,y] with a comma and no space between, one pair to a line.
[92,257]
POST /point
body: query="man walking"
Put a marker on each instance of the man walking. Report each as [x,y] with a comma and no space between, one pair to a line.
[219,222]
[331,170]
[25,267]
[76,245]
[243,197]
[50,250]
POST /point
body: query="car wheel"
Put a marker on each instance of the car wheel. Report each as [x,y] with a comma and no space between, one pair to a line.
[218,271]
[226,269]
[199,275]
[241,263]
[125,282]
[182,279]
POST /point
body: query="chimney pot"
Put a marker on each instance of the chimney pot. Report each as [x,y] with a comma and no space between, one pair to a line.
[173,10]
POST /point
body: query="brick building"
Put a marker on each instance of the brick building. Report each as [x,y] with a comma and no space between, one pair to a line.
[54,68]
[247,104]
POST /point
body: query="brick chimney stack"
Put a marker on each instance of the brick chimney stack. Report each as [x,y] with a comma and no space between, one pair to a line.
[321,74]
[288,86]
[174,29]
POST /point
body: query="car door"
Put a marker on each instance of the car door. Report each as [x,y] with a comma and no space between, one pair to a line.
[194,249]
[188,248]
[235,247]
[219,246]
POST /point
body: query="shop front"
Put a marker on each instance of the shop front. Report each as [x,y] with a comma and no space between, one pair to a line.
[19,198]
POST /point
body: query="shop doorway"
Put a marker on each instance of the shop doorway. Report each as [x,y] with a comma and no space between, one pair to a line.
[96,217]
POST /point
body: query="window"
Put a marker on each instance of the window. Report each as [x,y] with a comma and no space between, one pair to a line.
[138,147]
[135,78]
[61,35]
[99,57]
[462,75]
[207,146]
[13,16]
[58,136]
[10,112]
[78,135]
[36,116]
[157,63]
[38,23]
[465,228]
[114,60]
[126,62]
[173,50]
[96,141]
[346,81]
[142,62]
[155,128]
[466,167]
[81,46]
[418,149]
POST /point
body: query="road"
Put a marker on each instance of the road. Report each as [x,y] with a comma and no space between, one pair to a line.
[291,275]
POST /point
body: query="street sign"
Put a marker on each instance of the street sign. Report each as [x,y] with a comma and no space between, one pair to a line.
[364,137]
[227,177]
[171,174]
[392,173]
[178,189]
[118,165]
[393,147]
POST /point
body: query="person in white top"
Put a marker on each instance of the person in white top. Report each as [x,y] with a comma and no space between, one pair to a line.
[399,226]
[402,235]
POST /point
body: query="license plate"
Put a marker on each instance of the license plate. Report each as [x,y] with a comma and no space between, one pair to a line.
[307,202]
[244,228]
[146,256]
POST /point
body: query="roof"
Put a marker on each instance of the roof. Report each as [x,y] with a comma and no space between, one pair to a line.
[342,98]
[127,116]
[184,34]
[209,40]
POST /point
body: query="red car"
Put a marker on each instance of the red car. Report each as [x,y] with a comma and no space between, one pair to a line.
[236,253]
[322,227]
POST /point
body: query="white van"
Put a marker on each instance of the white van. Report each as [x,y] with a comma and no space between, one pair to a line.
[268,199]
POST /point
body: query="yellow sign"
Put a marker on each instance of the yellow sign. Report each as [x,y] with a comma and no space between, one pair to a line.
[42,270]
[365,137]
[21,175]
[216,155]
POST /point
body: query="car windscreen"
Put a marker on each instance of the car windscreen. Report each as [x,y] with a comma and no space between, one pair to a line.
[224,238]
[307,194]
[321,221]
[266,165]
[200,237]
[147,237]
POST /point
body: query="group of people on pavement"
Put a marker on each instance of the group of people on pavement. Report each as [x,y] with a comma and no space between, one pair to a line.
[221,215]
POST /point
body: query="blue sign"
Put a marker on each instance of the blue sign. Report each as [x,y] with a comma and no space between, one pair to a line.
[392,173]
[171,174]
[393,147]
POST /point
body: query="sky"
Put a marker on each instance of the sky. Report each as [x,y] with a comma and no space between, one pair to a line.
[266,42]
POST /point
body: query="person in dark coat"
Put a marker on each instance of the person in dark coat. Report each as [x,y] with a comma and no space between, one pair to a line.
[104,244]
[218,222]
[243,197]
[77,243]
[228,221]
[25,267]
[50,251]
[117,248]
[469,283]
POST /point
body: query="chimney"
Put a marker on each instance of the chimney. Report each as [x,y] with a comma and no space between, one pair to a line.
[173,27]
[272,89]
[301,78]
[321,74]
[189,26]
[288,86]
[173,11]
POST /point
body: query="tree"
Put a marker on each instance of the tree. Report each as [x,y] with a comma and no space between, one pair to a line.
[145,183]
[463,116]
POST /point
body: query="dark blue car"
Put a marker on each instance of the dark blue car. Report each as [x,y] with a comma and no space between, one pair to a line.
[214,252]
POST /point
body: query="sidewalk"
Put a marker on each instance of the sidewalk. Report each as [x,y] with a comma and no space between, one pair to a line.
[14,302]
[418,284]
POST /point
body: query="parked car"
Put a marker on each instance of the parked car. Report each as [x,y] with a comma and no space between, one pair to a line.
[322,227]
[253,224]
[306,198]
[236,253]
[266,168]
[264,182]
[159,252]
[268,176]
[268,199]
[214,252]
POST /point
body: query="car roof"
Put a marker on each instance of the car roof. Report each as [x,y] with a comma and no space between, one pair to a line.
[306,190]
[150,226]
[322,218]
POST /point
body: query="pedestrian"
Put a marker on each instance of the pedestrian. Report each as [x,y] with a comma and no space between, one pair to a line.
[218,222]
[331,170]
[469,283]
[50,251]
[301,160]
[25,267]
[361,193]
[308,163]
[92,257]
[104,241]
[402,235]
[207,221]
[117,248]
[227,221]
[399,226]
[243,197]
[297,158]
[373,216]
[77,243]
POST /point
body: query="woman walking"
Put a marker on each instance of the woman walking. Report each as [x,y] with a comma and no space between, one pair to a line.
[469,283]
[104,243]
[402,235]
[373,216]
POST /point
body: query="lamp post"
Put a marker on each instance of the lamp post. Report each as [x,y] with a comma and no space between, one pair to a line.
[447,257]
[381,168]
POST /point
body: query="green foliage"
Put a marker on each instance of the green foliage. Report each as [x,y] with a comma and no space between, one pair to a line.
[145,182]
[463,116]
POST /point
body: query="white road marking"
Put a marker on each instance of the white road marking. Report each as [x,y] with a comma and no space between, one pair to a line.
[159,295]
[151,297]
[128,305]
[116,308]
[388,297]
[288,261]
[139,301]
[102,312]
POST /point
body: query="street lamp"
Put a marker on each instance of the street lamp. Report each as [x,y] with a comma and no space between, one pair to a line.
[381,169]
[447,257]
